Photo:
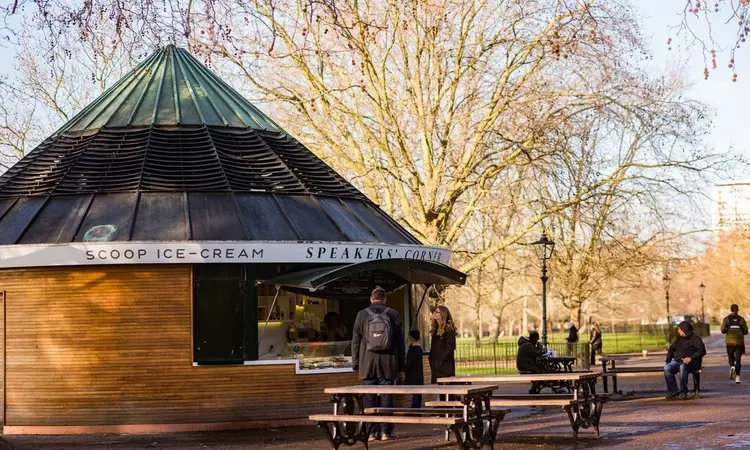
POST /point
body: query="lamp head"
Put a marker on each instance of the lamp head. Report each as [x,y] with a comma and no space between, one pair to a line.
[544,248]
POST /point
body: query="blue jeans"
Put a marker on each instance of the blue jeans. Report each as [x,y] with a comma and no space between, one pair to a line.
[416,401]
[684,369]
[379,401]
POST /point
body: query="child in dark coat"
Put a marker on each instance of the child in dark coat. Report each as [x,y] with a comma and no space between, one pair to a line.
[413,370]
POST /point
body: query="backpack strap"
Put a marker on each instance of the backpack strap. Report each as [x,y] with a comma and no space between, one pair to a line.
[372,313]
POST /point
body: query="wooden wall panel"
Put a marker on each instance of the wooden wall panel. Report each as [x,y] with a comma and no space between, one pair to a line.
[2,356]
[112,345]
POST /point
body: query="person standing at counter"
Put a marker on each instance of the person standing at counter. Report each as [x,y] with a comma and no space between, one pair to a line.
[378,354]
[335,329]
[443,347]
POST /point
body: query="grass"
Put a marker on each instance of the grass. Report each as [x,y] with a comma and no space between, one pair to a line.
[628,342]
[633,343]
[462,371]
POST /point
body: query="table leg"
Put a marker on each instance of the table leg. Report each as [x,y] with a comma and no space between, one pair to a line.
[480,423]
[347,433]
[614,385]
[587,408]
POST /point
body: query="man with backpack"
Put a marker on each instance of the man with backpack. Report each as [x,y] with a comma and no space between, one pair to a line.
[378,354]
[735,327]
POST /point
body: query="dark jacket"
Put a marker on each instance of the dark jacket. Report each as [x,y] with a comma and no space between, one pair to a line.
[595,339]
[690,346]
[442,361]
[526,359]
[414,368]
[735,327]
[572,335]
[378,365]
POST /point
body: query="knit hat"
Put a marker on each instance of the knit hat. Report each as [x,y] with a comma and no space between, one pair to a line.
[414,334]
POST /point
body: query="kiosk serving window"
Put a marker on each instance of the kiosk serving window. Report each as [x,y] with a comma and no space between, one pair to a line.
[240,320]
[293,326]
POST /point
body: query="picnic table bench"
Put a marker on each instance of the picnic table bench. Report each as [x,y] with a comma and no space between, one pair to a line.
[473,422]
[555,364]
[635,371]
[582,404]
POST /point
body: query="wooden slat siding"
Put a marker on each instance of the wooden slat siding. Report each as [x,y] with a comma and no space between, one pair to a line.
[112,345]
[2,356]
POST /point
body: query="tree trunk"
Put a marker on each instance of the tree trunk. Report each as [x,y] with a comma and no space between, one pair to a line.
[477,322]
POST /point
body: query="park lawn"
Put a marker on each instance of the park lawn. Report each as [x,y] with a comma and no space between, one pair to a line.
[630,342]
[633,343]
[465,371]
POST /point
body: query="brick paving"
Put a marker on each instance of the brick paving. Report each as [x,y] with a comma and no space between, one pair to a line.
[719,420]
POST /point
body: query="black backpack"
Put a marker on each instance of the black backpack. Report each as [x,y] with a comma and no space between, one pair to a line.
[378,331]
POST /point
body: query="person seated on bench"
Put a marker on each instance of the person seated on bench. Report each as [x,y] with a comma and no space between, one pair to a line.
[529,351]
[685,356]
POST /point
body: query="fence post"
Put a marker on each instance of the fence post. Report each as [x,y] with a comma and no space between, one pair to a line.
[507,354]
[494,355]
[617,345]
[640,336]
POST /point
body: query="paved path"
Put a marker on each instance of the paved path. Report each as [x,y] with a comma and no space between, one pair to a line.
[719,420]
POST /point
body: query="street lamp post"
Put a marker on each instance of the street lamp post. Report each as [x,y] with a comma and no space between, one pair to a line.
[544,248]
[666,295]
[702,288]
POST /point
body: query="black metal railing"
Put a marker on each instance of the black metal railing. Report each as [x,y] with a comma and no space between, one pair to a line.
[496,358]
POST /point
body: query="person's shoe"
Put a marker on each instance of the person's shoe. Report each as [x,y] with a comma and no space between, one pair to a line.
[737,380]
[683,396]
[374,437]
[672,395]
[731,373]
[388,437]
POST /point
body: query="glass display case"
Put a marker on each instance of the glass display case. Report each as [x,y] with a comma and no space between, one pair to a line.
[319,355]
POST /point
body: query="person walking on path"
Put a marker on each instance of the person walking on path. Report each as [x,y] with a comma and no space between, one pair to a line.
[735,329]
[595,339]
[378,354]
[685,356]
[572,339]
[414,368]
[443,344]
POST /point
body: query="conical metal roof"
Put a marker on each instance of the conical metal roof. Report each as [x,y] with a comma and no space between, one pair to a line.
[170,87]
[173,153]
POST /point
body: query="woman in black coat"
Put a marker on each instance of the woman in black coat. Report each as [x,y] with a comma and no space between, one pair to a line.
[596,342]
[443,347]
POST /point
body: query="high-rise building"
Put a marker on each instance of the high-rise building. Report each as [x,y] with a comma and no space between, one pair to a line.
[731,207]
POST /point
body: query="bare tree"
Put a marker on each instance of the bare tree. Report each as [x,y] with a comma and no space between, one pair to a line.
[635,148]
[423,105]
[697,27]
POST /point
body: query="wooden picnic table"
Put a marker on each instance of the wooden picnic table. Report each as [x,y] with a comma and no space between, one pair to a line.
[583,405]
[555,364]
[426,389]
[520,378]
[473,421]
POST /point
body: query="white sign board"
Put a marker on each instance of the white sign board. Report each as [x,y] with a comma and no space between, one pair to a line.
[210,252]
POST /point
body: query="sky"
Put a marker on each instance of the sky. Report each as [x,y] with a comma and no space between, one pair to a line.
[724,97]
[727,99]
